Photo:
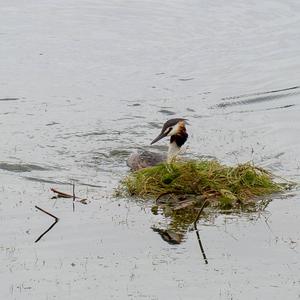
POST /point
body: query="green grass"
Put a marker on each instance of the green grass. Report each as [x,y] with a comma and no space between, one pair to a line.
[224,186]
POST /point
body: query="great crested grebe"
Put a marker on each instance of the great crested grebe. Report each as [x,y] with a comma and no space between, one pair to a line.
[175,128]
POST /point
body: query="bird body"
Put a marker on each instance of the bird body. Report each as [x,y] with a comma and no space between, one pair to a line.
[143,159]
[175,128]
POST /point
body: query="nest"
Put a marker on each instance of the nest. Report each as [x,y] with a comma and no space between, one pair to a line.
[190,183]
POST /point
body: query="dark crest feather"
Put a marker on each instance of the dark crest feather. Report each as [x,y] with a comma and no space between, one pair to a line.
[171,122]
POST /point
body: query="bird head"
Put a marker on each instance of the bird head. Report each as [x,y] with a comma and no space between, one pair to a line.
[171,127]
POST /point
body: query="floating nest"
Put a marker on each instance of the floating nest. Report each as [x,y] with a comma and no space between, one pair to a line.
[181,189]
[223,186]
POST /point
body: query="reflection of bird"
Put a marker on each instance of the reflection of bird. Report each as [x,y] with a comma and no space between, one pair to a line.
[175,128]
[169,235]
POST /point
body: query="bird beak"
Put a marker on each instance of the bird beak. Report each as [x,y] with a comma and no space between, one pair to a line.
[159,137]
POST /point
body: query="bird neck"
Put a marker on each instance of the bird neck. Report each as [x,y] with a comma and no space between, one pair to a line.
[173,151]
[176,141]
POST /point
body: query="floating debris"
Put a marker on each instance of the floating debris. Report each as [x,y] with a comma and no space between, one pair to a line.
[60,194]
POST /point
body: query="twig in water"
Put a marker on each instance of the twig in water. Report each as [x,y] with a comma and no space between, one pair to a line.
[197,232]
[49,214]
[199,213]
[74,197]
[60,194]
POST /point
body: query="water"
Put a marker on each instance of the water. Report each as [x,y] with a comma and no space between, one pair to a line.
[82,84]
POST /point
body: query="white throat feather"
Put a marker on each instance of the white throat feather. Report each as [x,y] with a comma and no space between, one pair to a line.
[173,151]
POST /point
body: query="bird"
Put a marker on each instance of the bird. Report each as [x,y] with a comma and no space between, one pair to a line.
[176,130]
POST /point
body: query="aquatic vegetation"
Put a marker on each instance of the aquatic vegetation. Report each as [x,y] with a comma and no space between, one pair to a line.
[192,182]
[182,189]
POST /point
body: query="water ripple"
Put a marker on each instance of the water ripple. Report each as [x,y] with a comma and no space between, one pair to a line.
[258,97]
[21,167]
[9,99]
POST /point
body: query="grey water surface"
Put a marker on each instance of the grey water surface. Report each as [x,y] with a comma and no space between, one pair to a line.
[83,83]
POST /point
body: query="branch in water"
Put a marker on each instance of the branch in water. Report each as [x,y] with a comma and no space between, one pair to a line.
[60,194]
[49,214]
